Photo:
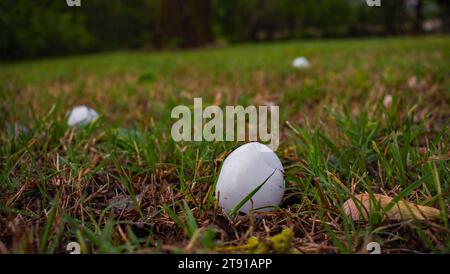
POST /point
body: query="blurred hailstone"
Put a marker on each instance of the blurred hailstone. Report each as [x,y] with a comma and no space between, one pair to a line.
[81,115]
[243,171]
[387,101]
[300,63]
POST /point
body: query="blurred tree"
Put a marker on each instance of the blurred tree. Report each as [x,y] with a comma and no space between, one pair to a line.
[444,6]
[394,12]
[49,27]
[185,23]
[329,18]
[35,28]
[119,24]
[418,21]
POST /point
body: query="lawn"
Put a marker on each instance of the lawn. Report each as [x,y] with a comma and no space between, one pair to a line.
[122,184]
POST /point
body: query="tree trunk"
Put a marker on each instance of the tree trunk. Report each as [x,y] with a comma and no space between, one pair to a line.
[418,21]
[183,23]
[393,15]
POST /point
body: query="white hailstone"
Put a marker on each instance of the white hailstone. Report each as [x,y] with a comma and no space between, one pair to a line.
[243,171]
[387,101]
[81,115]
[300,63]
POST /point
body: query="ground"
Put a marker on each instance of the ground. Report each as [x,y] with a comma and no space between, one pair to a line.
[122,184]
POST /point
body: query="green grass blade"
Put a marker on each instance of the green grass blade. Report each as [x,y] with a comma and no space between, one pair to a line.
[236,209]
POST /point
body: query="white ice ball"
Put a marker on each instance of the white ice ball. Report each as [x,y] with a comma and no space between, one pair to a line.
[387,101]
[81,115]
[243,171]
[300,63]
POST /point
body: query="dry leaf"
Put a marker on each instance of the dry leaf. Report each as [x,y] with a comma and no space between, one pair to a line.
[401,211]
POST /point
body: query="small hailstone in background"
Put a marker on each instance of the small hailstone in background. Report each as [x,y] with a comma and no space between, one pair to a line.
[243,171]
[387,101]
[412,82]
[300,63]
[81,115]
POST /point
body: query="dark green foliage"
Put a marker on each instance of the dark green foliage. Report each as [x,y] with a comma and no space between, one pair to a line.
[46,28]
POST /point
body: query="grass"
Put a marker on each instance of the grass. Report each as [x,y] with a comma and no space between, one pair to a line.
[122,184]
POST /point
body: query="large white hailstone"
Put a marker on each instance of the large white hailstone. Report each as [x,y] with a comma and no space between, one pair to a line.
[81,115]
[243,171]
[300,63]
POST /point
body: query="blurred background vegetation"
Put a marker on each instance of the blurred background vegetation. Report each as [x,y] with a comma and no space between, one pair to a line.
[41,28]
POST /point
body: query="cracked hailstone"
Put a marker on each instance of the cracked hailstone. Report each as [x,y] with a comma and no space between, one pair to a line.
[246,168]
[81,115]
[300,62]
